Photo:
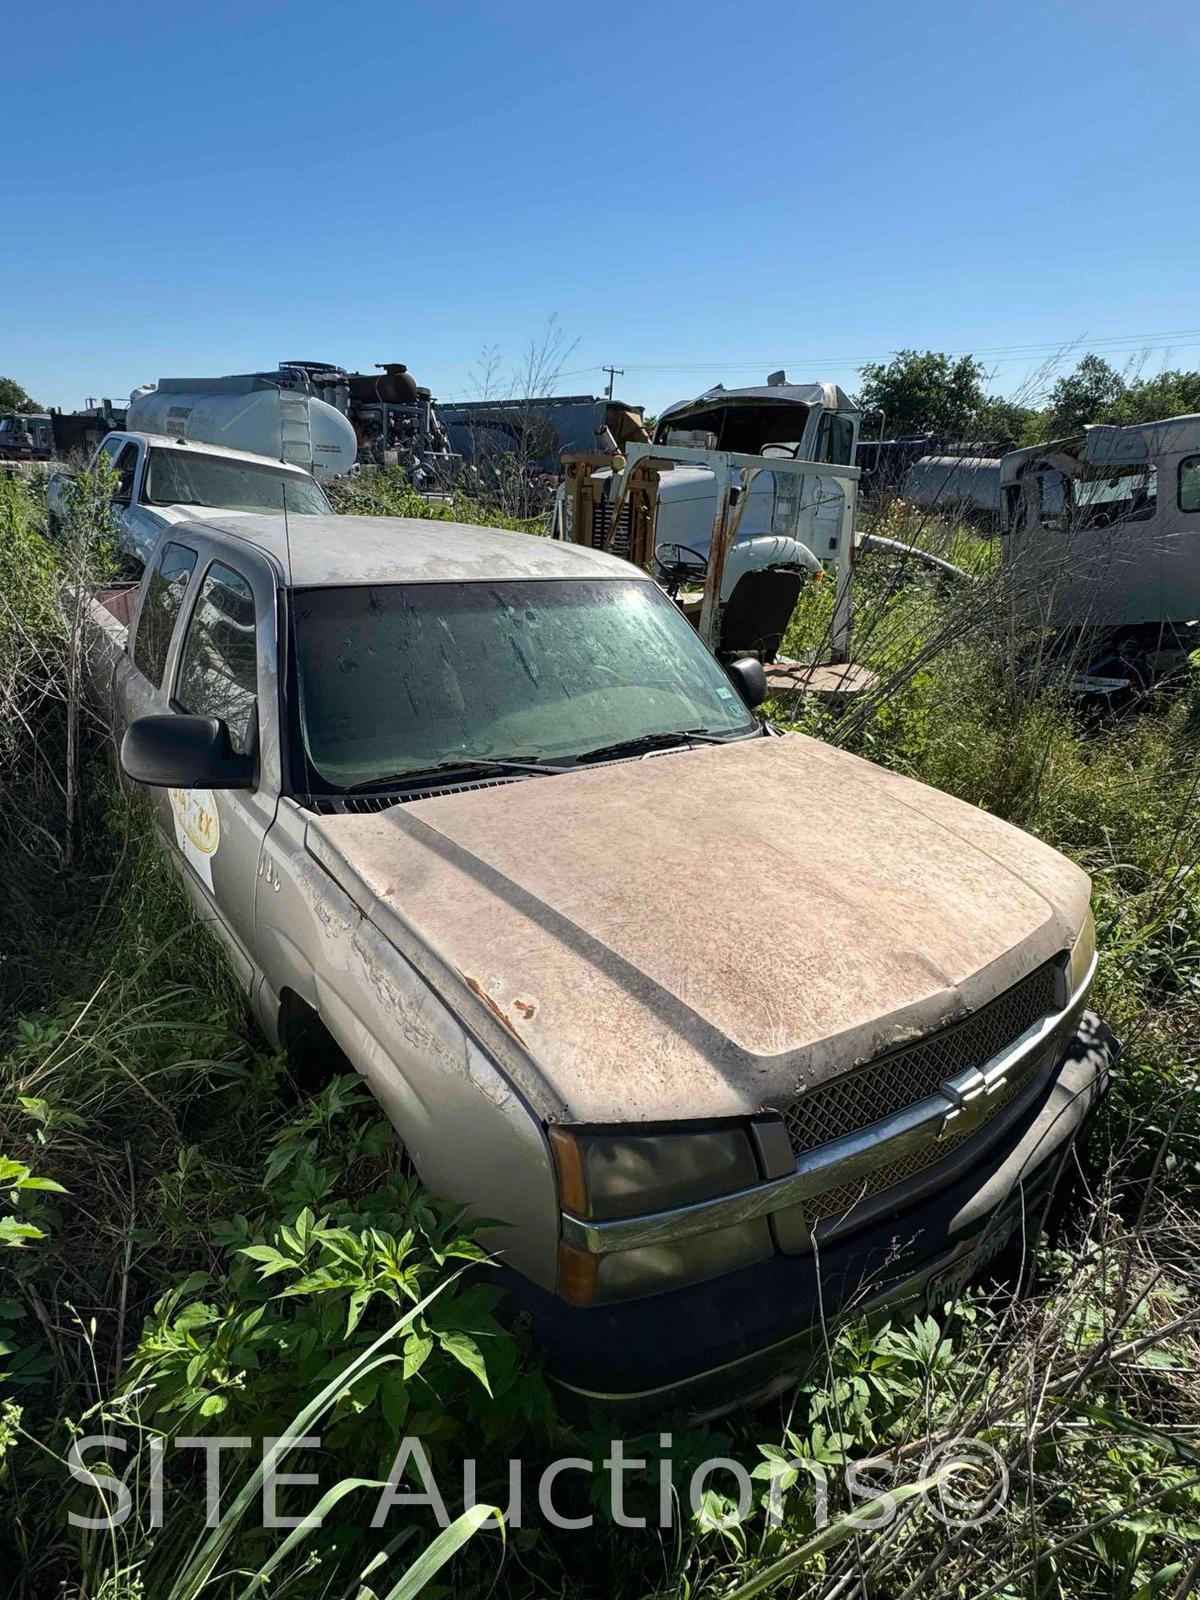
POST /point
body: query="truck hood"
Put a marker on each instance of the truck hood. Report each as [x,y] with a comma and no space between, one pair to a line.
[699,933]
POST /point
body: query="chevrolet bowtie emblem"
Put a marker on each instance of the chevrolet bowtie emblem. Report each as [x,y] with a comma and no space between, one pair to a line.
[970,1096]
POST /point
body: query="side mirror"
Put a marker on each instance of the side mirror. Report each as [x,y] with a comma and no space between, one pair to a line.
[180,752]
[749,680]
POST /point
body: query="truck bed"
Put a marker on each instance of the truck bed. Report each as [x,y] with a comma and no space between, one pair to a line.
[118,600]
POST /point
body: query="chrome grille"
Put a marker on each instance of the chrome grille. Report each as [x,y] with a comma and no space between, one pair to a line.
[913,1072]
[602,522]
[837,1202]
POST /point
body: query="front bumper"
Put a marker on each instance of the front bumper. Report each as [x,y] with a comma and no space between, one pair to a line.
[711,1345]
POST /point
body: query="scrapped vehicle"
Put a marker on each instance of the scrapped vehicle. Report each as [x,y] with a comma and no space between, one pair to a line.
[730,1030]
[739,589]
[26,436]
[741,499]
[161,480]
[967,487]
[777,421]
[538,430]
[270,414]
[1101,532]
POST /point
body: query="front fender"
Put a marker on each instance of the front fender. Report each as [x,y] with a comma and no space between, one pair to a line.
[764,551]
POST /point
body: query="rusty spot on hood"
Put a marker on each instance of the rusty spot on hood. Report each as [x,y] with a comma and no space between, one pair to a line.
[527,1008]
[498,1012]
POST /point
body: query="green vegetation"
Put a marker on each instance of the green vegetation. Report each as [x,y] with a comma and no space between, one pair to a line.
[1097,392]
[926,391]
[194,1244]
[387,492]
[14,398]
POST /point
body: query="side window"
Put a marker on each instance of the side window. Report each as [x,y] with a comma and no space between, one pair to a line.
[160,609]
[125,467]
[1143,500]
[1189,483]
[109,448]
[1052,499]
[835,437]
[219,672]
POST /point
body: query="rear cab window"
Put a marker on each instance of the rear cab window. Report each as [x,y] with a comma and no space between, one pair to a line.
[161,605]
[190,477]
[218,673]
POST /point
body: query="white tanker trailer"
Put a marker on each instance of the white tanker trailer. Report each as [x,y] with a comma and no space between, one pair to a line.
[256,412]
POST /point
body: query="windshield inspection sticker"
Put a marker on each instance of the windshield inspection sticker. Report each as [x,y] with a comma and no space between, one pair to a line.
[197,829]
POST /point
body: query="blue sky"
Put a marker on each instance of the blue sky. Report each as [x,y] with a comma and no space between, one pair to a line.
[696,193]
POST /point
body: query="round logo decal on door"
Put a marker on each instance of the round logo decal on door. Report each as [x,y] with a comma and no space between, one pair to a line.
[197,829]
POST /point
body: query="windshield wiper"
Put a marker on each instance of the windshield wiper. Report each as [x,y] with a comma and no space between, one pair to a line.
[464,767]
[677,738]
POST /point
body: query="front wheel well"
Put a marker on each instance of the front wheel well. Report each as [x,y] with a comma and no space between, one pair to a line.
[314,1057]
[313,1054]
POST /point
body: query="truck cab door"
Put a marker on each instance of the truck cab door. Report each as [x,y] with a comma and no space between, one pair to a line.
[142,675]
[138,527]
[225,667]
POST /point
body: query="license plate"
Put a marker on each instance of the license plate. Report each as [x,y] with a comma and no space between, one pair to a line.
[950,1282]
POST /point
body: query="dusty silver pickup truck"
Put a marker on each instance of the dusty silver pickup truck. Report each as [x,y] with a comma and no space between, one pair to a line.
[730,1028]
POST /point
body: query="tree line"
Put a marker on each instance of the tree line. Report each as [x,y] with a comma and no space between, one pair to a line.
[926,391]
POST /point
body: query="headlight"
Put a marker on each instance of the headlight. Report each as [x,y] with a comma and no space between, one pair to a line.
[1080,959]
[603,1176]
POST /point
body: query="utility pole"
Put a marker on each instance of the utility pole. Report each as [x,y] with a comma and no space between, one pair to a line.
[613,372]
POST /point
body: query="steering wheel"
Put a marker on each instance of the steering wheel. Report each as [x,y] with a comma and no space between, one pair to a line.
[678,572]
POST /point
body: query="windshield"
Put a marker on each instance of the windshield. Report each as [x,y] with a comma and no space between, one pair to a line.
[747,428]
[400,678]
[187,478]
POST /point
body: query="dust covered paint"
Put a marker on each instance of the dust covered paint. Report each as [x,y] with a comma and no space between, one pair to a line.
[698,967]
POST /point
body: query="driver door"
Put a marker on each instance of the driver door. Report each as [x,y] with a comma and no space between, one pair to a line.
[127,466]
[224,667]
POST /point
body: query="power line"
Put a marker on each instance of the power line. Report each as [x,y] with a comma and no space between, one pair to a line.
[1003,354]
[1112,343]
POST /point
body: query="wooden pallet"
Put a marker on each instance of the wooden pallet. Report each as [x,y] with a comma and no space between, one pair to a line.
[831,680]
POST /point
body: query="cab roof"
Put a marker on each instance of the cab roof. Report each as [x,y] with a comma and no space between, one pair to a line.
[319,551]
[195,447]
[828,395]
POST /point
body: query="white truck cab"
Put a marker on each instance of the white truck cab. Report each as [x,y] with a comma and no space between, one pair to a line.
[780,421]
[777,420]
